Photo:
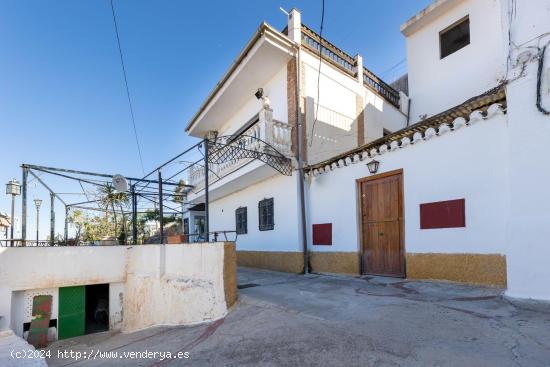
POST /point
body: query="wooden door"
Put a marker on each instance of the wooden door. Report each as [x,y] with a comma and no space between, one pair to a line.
[381,199]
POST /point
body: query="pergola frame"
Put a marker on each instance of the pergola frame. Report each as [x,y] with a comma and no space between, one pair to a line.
[215,150]
[92,178]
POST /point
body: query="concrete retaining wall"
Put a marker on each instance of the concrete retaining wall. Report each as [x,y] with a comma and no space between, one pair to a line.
[149,285]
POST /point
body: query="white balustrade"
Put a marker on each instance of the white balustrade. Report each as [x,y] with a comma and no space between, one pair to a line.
[276,134]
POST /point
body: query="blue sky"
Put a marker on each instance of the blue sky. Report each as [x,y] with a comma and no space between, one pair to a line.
[62,97]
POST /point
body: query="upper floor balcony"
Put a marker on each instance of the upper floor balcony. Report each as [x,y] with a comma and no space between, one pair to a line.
[261,151]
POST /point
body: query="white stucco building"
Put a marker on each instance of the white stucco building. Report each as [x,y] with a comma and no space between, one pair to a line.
[459,193]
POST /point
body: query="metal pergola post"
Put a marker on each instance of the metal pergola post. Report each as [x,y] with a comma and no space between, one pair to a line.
[206,200]
[161,209]
[52,218]
[24,207]
[134,215]
[66,224]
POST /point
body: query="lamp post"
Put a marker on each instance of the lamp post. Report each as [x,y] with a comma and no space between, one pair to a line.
[13,188]
[37,202]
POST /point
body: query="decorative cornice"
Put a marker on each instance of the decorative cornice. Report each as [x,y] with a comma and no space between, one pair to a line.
[472,111]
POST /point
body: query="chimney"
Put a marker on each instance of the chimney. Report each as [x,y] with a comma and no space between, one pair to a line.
[295,26]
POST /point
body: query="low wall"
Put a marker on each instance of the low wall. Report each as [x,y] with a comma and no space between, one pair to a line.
[485,269]
[290,262]
[335,262]
[177,284]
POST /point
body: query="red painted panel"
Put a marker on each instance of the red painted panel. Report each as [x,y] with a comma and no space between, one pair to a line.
[322,234]
[443,214]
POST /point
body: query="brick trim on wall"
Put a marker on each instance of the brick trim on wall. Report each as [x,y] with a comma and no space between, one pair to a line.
[291,78]
[360,120]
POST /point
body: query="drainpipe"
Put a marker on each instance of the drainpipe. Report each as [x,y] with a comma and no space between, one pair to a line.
[300,164]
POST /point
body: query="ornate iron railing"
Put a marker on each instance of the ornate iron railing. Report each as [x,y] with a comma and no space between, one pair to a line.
[267,141]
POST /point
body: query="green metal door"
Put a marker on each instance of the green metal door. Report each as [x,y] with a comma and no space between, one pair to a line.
[72,312]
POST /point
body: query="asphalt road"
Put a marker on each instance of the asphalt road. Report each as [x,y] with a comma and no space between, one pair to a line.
[321,320]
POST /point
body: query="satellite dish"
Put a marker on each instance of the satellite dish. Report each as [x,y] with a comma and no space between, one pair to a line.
[120,183]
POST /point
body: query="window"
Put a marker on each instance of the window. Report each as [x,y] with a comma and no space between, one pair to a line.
[241,220]
[454,37]
[185,225]
[265,214]
[199,225]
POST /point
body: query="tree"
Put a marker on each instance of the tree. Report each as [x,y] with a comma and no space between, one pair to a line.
[97,227]
[110,198]
[77,220]
[180,192]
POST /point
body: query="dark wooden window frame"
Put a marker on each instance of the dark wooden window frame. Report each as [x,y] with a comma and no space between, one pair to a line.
[251,122]
[241,220]
[266,215]
[446,31]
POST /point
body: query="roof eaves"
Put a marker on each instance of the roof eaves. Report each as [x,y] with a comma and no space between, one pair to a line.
[262,29]
[428,12]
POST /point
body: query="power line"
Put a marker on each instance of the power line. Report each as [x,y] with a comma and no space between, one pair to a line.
[318,75]
[393,67]
[127,89]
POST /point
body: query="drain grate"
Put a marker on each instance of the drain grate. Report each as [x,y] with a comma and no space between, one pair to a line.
[247,285]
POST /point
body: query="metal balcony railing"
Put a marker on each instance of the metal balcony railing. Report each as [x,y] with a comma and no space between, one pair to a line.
[348,64]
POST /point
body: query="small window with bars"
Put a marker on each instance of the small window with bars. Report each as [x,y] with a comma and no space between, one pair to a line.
[265,214]
[241,220]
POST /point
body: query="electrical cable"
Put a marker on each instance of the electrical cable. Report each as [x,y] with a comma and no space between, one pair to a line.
[127,89]
[318,75]
[382,74]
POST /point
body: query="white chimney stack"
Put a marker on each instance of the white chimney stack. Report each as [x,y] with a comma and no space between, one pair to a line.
[295,25]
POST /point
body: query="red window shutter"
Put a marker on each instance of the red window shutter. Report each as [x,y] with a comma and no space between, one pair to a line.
[443,214]
[322,234]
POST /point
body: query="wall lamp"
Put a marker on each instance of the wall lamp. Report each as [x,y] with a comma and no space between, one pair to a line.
[373,166]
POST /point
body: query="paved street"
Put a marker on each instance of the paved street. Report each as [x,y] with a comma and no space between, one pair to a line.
[321,320]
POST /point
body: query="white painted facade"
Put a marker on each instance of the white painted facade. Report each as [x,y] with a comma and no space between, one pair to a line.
[507,39]
[141,281]
[437,84]
[285,235]
[494,162]
[433,170]
[336,131]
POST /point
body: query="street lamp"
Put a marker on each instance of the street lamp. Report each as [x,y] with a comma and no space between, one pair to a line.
[37,202]
[13,188]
